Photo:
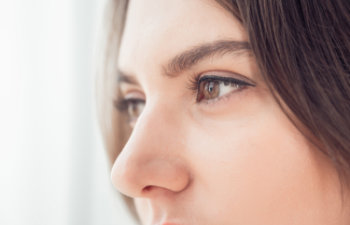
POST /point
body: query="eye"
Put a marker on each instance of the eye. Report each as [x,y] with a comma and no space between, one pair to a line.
[211,87]
[132,107]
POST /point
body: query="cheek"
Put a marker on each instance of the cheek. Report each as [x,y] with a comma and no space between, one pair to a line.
[259,164]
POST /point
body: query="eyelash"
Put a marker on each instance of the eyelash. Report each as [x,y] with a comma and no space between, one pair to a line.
[195,84]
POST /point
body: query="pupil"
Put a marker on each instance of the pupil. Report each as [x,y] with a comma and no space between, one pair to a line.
[211,86]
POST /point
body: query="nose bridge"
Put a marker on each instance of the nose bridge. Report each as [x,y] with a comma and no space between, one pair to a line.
[155,130]
[151,157]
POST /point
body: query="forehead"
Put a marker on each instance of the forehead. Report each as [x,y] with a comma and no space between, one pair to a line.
[157,30]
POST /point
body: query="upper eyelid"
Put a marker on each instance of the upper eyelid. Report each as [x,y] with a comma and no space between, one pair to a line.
[226,74]
[221,78]
[125,89]
[196,79]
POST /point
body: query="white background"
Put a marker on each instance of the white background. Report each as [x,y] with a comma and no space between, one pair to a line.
[53,169]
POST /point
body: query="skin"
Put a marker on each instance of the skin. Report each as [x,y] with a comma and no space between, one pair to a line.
[234,160]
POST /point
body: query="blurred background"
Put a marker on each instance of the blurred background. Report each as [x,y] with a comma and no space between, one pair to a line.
[53,169]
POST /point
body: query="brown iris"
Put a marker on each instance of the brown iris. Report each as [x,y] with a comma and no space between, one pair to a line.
[208,89]
[135,108]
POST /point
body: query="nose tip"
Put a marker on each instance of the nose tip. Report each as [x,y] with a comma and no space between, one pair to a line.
[149,177]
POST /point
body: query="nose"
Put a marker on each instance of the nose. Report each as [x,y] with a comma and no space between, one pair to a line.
[152,160]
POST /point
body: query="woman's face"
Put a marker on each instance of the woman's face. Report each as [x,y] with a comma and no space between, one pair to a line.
[210,145]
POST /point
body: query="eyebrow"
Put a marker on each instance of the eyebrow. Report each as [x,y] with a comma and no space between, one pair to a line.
[184,61]
[192,56]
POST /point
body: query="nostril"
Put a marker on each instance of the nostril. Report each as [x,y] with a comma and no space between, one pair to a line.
[152,191]
[147,189]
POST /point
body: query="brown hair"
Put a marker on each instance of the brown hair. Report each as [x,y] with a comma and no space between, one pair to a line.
[303,52]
